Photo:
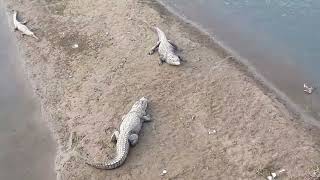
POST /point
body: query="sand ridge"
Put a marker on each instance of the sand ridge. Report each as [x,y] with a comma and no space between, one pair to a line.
[210,119]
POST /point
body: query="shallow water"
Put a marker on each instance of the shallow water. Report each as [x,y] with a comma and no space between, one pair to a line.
[27,150]
[279,38]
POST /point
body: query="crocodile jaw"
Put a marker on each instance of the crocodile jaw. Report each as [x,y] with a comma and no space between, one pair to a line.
[140,105]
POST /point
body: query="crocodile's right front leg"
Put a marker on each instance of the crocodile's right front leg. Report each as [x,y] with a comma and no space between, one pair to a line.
[115,136]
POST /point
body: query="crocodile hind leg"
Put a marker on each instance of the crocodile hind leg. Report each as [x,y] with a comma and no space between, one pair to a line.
[24,22]
[133,139]
[161,60]
[154,48]
[115,136]
[174,45]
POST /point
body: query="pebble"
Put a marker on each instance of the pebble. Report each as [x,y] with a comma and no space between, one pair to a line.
[164,172]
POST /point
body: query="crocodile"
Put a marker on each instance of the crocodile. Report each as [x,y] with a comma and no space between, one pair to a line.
[128,135]
[166,49]
[22,27]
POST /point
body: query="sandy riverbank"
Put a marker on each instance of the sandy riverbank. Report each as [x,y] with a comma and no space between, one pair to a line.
[85,91]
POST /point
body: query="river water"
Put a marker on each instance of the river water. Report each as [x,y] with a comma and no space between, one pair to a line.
[279,38]
[27,150]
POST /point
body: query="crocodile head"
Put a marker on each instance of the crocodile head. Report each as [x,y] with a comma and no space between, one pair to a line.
[141,104]
[173,59]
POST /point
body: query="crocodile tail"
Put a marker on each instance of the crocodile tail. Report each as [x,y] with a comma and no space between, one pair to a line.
[15,14]
[122,153]
[157,30]
[35,37]
[161,34]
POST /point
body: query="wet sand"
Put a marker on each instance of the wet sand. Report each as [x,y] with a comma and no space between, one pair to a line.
[27,149]
[211,118]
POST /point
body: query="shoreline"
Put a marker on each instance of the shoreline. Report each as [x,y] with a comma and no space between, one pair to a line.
[244,65]
[26,135]
[77,107]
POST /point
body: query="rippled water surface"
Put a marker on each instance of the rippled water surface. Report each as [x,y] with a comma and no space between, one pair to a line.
[278,37]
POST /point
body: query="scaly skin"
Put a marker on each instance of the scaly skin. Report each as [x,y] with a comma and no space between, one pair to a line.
[21,27]
[166,49]
[128,135]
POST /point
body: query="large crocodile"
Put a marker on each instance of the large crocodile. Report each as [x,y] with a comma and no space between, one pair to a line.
[21,27]
[166,49]
[128,135]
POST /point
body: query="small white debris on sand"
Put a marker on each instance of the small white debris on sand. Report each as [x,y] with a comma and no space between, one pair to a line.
[274,175]
[212,132]
[75,46]
[164,172]
[270,178]
[307,89]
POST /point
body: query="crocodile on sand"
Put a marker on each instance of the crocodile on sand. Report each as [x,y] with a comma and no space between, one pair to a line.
[166,49]
[21,27]
[128,135]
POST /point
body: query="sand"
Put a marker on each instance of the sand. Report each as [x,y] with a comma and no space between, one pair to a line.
[211,118]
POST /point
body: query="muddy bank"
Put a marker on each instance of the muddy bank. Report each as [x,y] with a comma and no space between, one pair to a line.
[85,91]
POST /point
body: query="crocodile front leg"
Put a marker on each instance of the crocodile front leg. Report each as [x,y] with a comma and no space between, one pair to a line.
[146,118]
[115,136]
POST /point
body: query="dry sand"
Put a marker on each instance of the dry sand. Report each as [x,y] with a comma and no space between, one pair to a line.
[211,119]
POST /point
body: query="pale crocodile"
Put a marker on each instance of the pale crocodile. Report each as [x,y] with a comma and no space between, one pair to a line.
[21,27]
[128,135]
[166,49]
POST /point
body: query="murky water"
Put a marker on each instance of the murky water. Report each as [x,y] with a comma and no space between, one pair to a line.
[27,150]
[278,37]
